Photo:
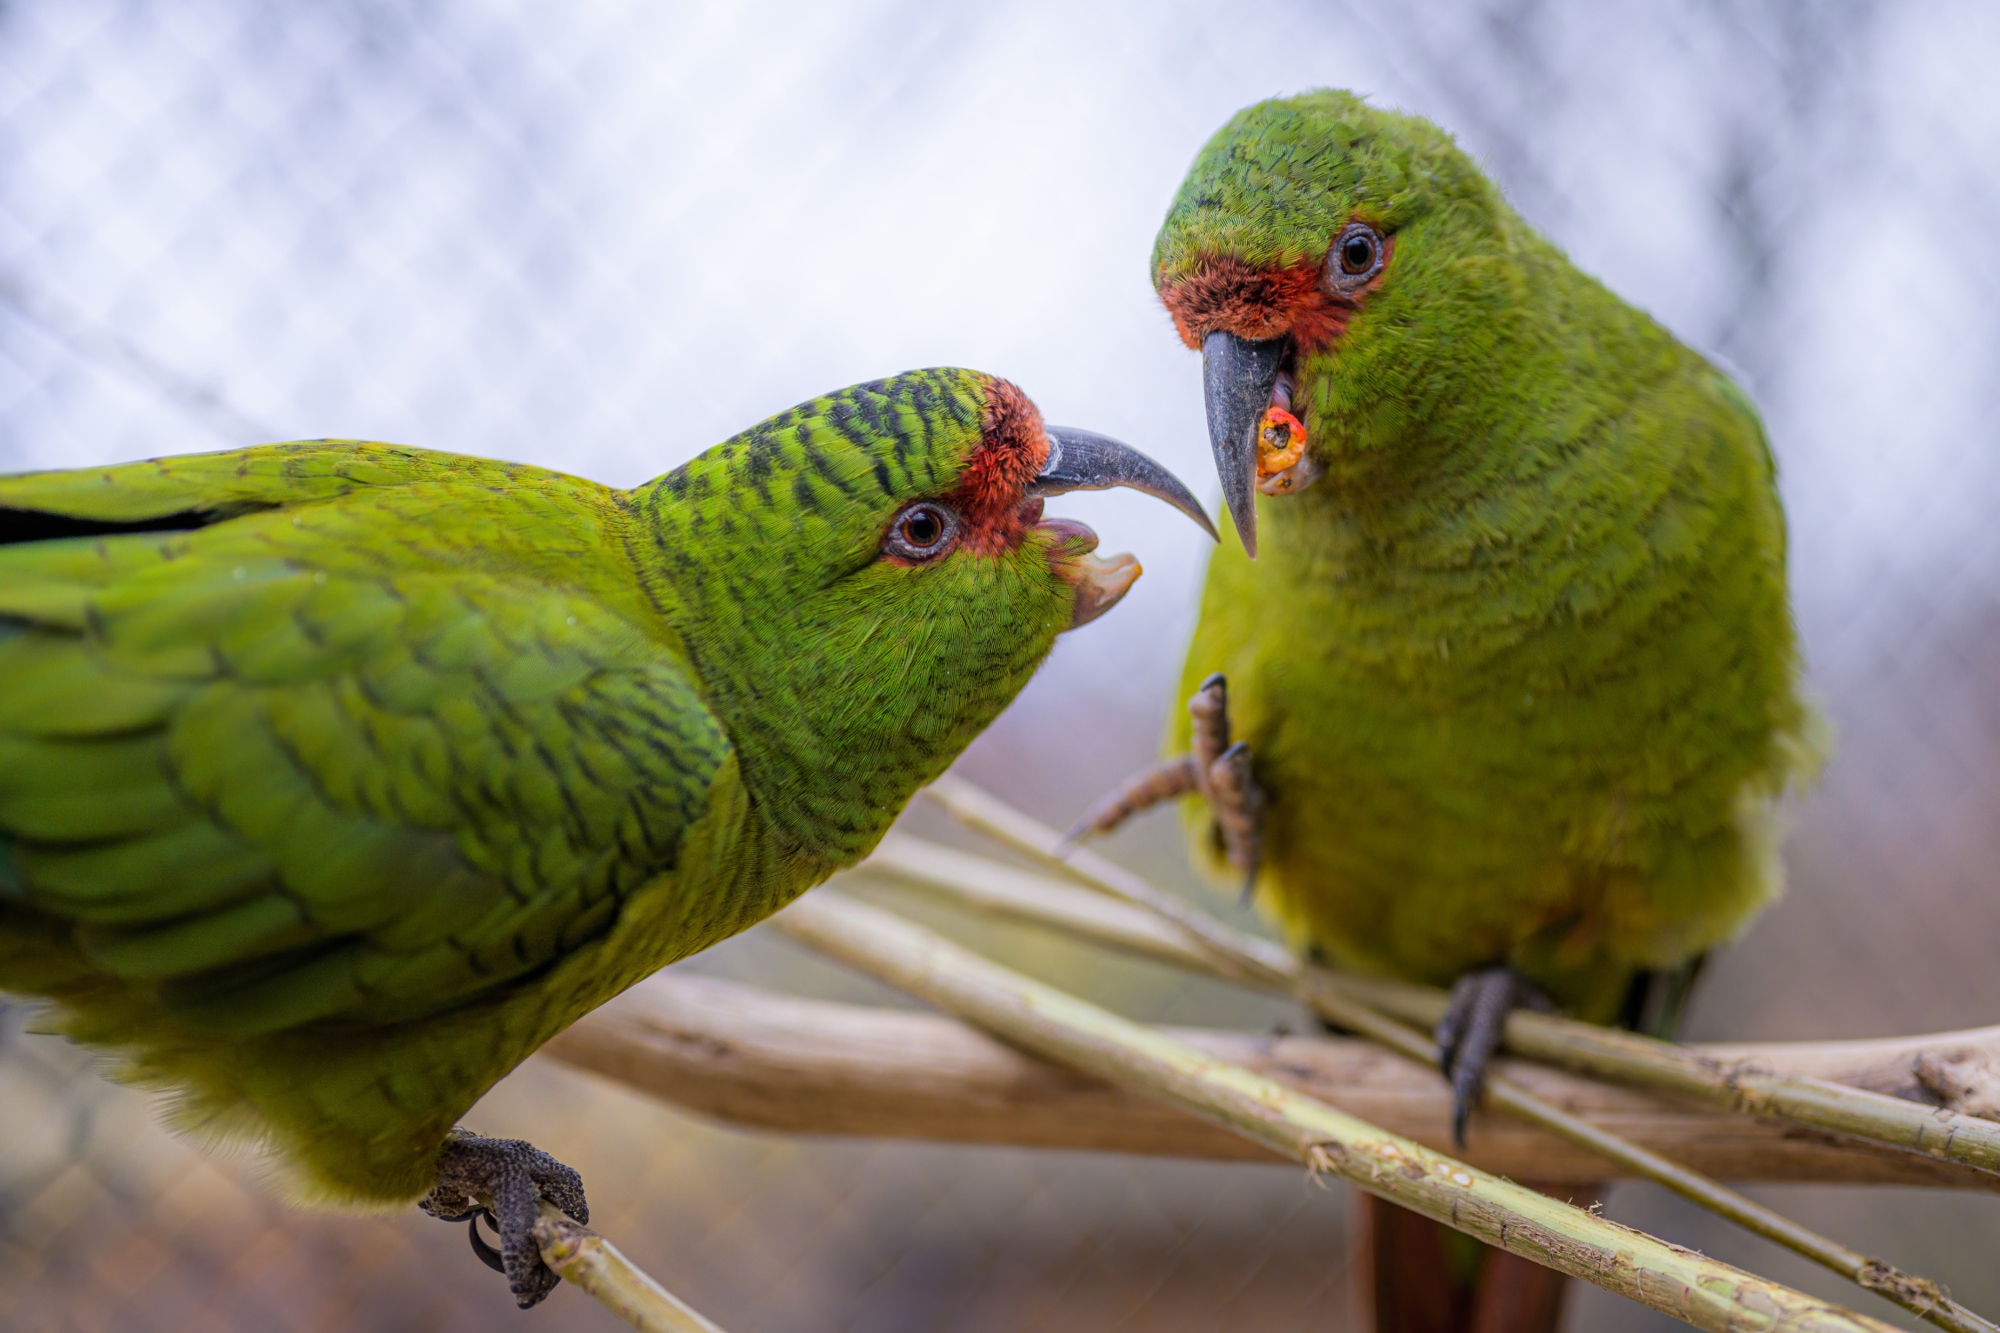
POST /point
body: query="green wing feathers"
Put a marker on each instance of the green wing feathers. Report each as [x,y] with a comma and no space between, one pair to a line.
[239,481]
[279,771]
[336,778]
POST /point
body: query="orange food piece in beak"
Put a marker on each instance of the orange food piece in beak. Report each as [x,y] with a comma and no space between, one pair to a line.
[1281,441]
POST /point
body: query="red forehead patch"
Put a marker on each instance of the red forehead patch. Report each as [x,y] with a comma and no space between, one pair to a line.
[1257,304]
[1012,451]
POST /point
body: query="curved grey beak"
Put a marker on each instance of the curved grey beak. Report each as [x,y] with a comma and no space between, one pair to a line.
[1083,460]
[1236,380]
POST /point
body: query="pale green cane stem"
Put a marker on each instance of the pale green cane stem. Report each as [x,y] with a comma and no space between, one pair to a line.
[986,884]
[581,1256]
[1230,953]
[1677,1282]
[1583,1047]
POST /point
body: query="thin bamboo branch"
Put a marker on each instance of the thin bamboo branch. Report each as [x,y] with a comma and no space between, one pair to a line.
[764,1060]
[989,886]
[1245,957]
[999,887]
[1677,1282]
[1230,952]
[1746,1086]
[1884,1066]
[580,1255]
[1920,1296]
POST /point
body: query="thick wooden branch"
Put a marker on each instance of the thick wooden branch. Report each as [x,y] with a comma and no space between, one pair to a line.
[769,1061]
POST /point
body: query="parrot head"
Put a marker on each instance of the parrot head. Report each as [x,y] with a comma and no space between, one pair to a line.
[1323,255]
[869,578]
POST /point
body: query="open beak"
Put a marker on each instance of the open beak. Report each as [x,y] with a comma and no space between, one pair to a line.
[1083,460]
[1099,583]
[1237,376]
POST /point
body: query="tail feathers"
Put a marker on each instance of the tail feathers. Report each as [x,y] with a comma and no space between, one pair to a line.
[1422,1277]
[1656,1000]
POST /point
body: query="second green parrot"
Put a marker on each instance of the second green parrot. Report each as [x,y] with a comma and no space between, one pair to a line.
[1512,685]
[335,778]
[1509,697]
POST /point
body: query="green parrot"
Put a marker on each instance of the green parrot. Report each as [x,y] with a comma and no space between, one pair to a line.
[335,777]
[1510,694]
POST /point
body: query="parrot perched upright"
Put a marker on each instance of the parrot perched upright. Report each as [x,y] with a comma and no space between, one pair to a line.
[335,778]
[1511,693]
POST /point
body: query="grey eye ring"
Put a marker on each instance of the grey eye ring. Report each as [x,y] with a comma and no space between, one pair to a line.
[1355,257]
[921,531]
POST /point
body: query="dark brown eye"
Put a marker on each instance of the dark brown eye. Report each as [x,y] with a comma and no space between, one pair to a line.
[922,531]
[1356,257]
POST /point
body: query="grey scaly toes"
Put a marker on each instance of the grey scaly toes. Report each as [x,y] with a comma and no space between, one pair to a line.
[505,1180]
[1214,767]
[1471,1031]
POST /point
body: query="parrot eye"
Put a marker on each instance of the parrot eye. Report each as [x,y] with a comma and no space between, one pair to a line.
[1356,257]
[922,531]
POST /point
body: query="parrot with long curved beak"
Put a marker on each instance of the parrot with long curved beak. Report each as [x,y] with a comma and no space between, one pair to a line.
[1498,687]
[335,778]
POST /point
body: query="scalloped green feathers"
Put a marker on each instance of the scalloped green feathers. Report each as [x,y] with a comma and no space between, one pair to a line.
[1275,184]
[335,777]
[1519,671]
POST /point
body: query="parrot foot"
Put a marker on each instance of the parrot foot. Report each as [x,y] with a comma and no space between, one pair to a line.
[504,1181]
[1471,1030]
[1140,792]
[1216,769]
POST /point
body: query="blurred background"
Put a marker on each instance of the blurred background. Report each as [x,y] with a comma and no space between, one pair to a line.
[603,236]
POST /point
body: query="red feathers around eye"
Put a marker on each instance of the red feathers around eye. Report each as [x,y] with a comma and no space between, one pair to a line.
[1014,449]
[1258,303]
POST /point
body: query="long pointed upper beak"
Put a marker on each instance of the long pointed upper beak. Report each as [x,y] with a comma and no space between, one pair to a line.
[1083,460]
[1236,380]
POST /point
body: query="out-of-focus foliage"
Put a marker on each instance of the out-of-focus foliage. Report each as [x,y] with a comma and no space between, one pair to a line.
[602,236]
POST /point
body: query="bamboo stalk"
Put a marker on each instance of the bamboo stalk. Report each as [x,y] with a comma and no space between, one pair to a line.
[1677,1282]
[1745,1086]
[1884,1067]
[598,1267]
[986,885]
[1920,1296]
[1245,957]
[1231,952]
[763,1060]
[999,887]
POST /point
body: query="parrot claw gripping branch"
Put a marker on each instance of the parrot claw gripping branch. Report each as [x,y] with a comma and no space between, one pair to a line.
[1506,629]
[336,778]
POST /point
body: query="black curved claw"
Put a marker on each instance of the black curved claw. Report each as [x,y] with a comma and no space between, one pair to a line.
[1471,1031]
[487,1254]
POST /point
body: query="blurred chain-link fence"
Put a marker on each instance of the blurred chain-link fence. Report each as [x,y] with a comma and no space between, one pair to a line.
[602,236]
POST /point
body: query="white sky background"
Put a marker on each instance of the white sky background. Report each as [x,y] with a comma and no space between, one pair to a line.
[603,237]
